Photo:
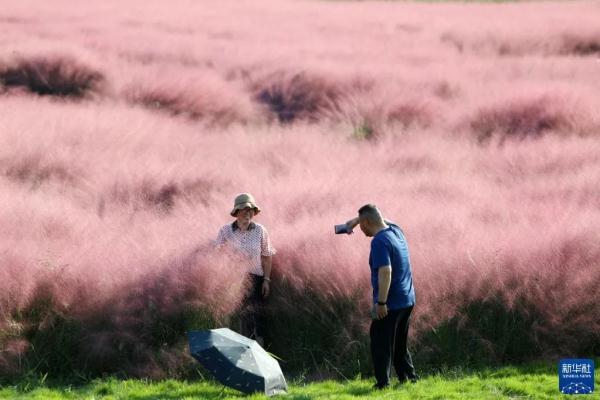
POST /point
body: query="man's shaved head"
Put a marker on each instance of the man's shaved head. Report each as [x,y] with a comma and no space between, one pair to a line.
[370,213]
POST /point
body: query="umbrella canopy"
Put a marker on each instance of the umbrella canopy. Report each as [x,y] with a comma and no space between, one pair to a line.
[237,362]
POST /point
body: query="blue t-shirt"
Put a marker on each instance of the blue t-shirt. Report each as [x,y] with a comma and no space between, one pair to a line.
[389,247]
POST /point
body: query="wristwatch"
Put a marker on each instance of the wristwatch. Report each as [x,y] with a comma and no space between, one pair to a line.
[384,303]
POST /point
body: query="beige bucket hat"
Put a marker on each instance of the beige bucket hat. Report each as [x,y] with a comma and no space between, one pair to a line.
[242,201]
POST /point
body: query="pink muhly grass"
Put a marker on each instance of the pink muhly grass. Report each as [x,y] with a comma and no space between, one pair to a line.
[521,118]
[298,96]
[201,95]
[51,76]
[581,44]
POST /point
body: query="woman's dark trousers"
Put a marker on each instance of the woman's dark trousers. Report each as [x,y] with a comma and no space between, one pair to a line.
[254,318]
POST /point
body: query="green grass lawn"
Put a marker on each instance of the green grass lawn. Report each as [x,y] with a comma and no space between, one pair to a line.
[527,382]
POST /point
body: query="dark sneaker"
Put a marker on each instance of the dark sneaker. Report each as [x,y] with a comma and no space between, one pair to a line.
[412,379]
[379,386]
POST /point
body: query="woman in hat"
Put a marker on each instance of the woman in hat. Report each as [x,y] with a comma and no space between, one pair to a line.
[252,241]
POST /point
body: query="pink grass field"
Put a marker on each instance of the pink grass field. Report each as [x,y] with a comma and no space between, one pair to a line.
[127,127]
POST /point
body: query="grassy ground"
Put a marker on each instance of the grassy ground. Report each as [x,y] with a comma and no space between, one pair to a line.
[527,382]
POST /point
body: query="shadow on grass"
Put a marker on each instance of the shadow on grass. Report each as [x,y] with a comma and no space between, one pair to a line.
[172,389]
[530,378]
[205,390]
[192,393]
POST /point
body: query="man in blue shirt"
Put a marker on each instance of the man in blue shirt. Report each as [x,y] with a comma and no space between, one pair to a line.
[393,296]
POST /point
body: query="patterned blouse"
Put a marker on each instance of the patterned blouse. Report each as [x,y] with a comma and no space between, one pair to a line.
[252,244]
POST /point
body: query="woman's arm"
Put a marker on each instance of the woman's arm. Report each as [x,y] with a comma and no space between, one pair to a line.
[220,240]
[266,258]
[267,263]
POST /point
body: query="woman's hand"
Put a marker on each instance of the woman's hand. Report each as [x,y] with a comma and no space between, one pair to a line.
[266,288]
